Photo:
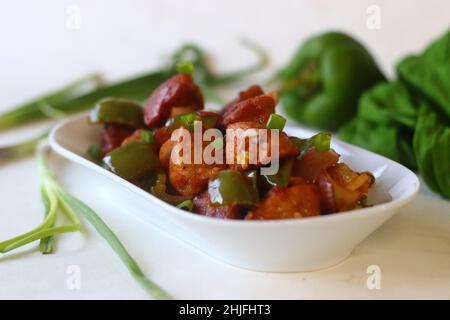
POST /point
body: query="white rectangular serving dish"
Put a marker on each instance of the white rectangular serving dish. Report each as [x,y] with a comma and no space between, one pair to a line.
[273,246]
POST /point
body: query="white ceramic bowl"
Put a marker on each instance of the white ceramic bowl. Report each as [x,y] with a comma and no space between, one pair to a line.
[274,246]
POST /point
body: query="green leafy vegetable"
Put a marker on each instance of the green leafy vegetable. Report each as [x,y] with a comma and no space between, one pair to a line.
[387,116]
[387,140]
[407,120]
[432,149]
[428,74]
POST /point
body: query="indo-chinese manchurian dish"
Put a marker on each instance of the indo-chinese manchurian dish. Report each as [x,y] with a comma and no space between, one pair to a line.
[136,144]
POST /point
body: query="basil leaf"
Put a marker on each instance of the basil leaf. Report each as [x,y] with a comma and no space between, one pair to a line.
[430,140]
[429,73]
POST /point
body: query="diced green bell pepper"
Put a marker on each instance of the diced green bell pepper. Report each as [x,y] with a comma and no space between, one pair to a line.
[132,161]
[118,111]
[231,187]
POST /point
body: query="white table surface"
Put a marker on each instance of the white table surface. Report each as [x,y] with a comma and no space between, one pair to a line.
[38,53]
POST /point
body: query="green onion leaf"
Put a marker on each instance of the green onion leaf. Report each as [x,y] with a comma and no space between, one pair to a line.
[276,122]
[54,204]
[47,106]
[322,141]
[115,244]
[57,200]
[21,149]
[46,245]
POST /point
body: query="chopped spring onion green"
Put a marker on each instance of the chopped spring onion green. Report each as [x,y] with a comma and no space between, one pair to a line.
[147,136]
[276,122]
[322,141]
[187,120]
[217,143]
[187,204]
[185,67]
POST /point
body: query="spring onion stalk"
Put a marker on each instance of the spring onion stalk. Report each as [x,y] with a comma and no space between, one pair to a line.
[47,106]
[116,245]
[57,200]
[46,245]
[21,149]
[206,77]
[54,203]
[83,94]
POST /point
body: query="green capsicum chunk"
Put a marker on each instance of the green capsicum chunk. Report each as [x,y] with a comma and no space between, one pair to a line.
[322,83]
[132,161]
[231,187]
[159,190]
[281,178]
[118,111]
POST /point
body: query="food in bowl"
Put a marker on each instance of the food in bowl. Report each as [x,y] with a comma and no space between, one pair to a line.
[237,164]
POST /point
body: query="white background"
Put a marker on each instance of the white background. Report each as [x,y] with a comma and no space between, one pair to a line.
[120,38]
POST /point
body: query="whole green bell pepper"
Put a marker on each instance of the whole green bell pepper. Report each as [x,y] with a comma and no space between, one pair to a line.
[322,83]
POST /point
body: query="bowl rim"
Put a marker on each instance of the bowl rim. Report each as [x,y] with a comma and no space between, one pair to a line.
[375,209]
